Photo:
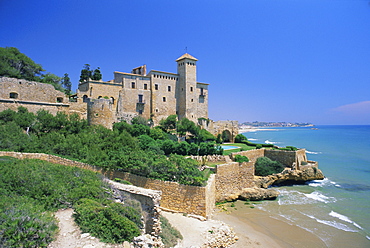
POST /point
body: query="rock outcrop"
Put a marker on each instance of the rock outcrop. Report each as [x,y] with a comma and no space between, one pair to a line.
[290,176]
[258,194]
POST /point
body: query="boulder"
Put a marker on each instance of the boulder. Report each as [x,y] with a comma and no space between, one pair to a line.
[258,194]
[291,176]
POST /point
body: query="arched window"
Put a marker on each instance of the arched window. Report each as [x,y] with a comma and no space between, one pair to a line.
[112,98]
[84,98]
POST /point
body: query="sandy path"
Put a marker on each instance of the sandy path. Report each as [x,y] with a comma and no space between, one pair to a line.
[70,234]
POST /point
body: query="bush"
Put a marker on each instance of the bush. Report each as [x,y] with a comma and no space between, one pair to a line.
[105,222]
[240,159]
[23,223]
[265,166]
[240,138]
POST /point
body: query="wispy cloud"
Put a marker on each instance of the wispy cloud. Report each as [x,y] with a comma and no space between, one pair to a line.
[359,108]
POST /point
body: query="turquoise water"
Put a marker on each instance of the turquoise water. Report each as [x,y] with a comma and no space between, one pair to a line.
[229,147]
[339,206]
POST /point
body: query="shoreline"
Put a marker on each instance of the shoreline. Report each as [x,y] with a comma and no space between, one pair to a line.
[258,228]
[255,129]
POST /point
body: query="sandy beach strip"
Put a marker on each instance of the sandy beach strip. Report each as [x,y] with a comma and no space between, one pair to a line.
[255,129]
[256,228]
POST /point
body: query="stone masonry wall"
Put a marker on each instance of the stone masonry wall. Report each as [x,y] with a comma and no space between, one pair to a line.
[232,178]
[287,158]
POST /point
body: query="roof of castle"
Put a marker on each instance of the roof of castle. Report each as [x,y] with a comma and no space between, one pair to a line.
[186,56]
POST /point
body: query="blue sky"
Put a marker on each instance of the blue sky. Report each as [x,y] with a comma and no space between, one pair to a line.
[282,60]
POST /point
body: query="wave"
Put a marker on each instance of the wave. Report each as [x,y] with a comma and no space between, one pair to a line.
[292,197]
[334,224]
[309,152]
[322,183]
[271,142]
[320,197]
[344,218]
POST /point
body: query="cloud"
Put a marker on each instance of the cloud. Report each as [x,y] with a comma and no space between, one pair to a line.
[354,109]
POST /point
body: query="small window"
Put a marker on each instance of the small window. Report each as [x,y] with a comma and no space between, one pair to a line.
[156,110]
[191,89]
[140,111]
[112,99]
[169,88]
[133,85]
[140,98]
[164,99]
[156,86]
[145,86]
[201,92]
[84,98]
[13,95]
[192,100]
[59,99]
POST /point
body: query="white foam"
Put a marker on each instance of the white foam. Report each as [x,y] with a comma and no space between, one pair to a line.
[252,139]
[368,237]
[320,197]
[332,224]
[271,142]
[309,152]
[344,218]
[322,183]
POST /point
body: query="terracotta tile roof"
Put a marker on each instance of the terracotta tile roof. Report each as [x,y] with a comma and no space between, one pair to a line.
[186,56]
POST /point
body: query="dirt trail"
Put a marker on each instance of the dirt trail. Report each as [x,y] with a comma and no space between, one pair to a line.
[70,235]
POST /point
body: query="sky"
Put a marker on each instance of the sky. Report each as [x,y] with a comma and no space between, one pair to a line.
[265,60]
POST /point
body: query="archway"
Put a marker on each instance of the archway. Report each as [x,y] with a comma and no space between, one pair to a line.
[226,136]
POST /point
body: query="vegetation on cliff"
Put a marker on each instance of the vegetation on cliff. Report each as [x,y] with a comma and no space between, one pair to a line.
[265,166]
[32,189]
[15,64]
[136,148]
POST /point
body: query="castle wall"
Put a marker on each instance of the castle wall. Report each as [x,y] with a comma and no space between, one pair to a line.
[202,100]
[287,158]
[232,178]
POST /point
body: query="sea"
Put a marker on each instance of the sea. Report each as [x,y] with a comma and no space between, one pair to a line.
[336,209]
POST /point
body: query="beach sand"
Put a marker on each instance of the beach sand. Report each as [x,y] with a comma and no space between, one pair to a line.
[254,226]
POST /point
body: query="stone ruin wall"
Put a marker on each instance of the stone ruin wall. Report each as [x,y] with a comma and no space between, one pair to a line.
[150,204]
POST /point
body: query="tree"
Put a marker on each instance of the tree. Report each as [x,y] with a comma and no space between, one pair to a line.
[169,123]
[240,138]
[85,73]
[185,125]
[96,75]
[67,85]
[15,64]
[50,78]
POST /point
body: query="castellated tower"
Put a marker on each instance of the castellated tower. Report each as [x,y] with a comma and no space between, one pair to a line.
[187,88]
[101,112]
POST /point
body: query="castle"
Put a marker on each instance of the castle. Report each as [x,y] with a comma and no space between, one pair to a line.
[154,95]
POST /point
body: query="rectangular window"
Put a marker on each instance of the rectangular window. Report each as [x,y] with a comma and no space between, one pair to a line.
[169,88]
[145,86]
[164,99]
[133,85]
[140,98]
[201,92]
[156,86]
[191,89]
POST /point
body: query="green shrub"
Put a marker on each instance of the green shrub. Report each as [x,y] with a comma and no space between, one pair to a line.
[240,138]
[119,180]
[240,159]
[169,234]
[23,223]
[105,222]
[289,148]
[265,166]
